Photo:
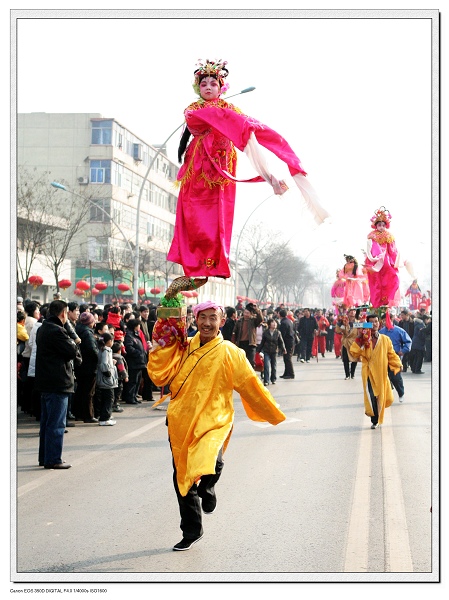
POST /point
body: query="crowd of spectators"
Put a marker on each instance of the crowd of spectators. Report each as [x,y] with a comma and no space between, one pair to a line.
[113,343]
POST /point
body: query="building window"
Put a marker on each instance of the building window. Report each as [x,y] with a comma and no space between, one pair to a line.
[97,249]
[100,210]
[100,171]
[102,132]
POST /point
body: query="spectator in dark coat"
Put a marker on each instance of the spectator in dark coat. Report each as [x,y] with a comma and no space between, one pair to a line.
[82,400]
[54,379]
[418,345]
[307,326]
[228,327]
[270,344]
[288,335]
[407,323]
[136,358]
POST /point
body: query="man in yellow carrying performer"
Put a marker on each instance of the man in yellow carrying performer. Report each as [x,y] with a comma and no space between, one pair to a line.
[202,373]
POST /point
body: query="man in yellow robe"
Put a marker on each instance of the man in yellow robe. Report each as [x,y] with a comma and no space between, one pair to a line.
[377,355]
[202,373]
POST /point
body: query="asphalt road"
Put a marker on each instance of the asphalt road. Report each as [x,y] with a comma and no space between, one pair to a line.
[320,497]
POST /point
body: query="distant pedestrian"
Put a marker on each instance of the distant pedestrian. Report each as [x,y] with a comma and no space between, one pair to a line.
[271,343]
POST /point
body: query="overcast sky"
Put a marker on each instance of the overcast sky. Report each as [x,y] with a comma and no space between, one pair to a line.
[352,96]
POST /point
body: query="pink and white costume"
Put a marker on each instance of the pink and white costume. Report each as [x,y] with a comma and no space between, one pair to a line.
[382,262]
[205,210]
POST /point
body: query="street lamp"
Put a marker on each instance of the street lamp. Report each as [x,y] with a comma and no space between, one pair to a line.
[60,186]
[150,166]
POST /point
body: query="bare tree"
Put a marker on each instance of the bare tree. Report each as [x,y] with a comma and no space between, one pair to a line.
[268,267]
[72,217]
[34,222]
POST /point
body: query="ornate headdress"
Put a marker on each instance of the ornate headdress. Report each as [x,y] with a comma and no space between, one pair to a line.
[381,214]
[211,68]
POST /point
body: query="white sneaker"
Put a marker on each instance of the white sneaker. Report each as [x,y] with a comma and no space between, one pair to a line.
[302,360]
[110,422]
[401,398]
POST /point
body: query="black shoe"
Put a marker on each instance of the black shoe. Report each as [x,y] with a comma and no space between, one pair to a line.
[282,376]
[289,377]
[186,544]
[323,355]
[419,372]
[93,420]
[70,424]
[273,383]
[209,504]
[138,401]
[352,376]
[58,466]
[133,402]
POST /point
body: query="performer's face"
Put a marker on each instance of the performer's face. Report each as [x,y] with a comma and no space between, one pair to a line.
[209,88]
[209,322]
[380,226]
[375,322]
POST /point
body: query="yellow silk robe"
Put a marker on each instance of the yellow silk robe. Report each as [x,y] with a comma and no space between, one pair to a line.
[375,365]
[200,413]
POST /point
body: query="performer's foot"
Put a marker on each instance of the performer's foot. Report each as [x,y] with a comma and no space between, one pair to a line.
[181,284]
[186,544]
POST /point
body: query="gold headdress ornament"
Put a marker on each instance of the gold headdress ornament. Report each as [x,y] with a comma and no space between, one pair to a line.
[211,68]
[381,214]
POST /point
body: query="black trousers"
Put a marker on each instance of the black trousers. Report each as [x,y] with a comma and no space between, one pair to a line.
[405,361]
[131,387]
[288,365]
[416,358]
[250,352]
[82,400]
[397,382]
[346,361]
[190,505]
[373,399]
[305,347]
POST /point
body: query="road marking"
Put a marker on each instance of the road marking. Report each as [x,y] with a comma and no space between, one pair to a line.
[398,554]
[28,487]
[356,560]
[398,558]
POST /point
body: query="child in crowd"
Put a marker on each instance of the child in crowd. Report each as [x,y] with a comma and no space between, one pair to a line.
[122,371]
[107,379]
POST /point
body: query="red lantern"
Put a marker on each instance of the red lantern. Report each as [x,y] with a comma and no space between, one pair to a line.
[141,291]
[194,294]
[94,291]
[78,292]
[64,284]
[123,287]
[83,285]
[101,286]
[35,281]
[155,291]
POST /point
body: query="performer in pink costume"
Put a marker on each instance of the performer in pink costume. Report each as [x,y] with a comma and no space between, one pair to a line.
[353,277]
[382,262]
[338,290]
[205,210]
[414,291]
